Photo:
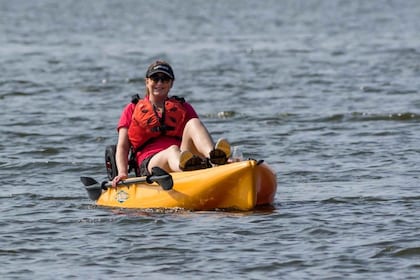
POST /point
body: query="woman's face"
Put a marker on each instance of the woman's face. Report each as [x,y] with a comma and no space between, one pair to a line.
[159,85]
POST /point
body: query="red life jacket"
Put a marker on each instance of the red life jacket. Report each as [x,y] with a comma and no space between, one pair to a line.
[146,123]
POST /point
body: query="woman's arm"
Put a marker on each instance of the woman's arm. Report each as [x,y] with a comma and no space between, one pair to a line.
[121,156]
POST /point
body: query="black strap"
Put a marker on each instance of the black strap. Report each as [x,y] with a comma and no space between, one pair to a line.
[135,98]
[178,98]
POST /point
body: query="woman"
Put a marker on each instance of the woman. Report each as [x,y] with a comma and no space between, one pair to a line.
[164,131]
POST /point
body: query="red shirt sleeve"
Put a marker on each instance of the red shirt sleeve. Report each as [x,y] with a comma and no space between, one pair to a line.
[126,115]
[190,111]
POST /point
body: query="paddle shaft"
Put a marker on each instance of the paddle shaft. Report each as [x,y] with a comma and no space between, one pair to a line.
[130,181]
[159,176]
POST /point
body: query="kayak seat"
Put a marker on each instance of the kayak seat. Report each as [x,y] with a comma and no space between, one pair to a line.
[110,163]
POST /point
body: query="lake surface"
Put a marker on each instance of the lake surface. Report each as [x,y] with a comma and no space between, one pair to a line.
[326,92]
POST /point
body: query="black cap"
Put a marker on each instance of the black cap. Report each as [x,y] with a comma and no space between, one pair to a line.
[160,67]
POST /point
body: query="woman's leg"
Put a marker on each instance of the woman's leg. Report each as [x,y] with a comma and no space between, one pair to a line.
[196,138]
[167,159]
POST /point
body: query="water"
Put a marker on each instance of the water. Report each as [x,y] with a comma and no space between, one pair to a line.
[327,92]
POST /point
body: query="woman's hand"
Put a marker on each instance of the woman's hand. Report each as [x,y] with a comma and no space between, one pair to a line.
[118,178]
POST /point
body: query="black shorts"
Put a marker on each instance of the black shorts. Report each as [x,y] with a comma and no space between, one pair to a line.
[144,171]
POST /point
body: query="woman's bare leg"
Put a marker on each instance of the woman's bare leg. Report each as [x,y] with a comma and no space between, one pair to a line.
[167,159]
[196,138]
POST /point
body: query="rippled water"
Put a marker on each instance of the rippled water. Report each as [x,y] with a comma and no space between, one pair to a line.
[327,92]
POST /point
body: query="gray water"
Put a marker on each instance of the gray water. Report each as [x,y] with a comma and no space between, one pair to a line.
[326,92]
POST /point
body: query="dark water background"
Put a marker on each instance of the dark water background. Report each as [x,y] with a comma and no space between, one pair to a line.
[327,92]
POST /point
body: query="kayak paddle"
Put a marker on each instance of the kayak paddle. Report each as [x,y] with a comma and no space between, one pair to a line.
[160,176]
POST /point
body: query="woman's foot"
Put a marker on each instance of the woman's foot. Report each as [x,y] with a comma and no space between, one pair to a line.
[221,152]
[189,162]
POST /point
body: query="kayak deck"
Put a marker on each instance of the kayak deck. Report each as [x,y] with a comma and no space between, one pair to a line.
[240,185]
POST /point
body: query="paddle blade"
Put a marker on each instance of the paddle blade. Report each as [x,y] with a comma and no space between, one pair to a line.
[93,188]
[163,178]
[94,192]
[88,181]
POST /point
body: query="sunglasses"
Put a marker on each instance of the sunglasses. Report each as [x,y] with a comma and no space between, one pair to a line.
[157,78]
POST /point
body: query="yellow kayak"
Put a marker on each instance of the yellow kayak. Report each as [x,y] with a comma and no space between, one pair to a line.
[239,185]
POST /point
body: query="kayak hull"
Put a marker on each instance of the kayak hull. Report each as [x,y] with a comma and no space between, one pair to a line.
[240,186]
